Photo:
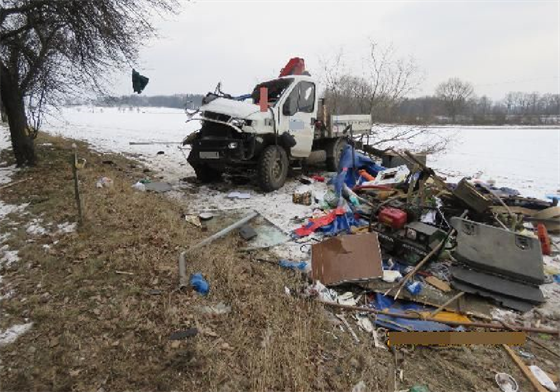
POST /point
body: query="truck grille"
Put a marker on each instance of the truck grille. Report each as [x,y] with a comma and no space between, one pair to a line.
[217,116]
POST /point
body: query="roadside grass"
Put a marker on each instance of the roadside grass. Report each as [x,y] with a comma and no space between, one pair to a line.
[94,327]
[103,301]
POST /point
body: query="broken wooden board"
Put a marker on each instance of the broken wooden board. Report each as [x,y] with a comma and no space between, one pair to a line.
[438,284]
[471,305]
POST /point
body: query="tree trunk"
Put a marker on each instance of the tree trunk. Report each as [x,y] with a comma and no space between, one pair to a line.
[12,98]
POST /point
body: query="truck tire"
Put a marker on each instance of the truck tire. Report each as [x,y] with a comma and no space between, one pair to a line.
[206,174]
[272,168]
[334,151]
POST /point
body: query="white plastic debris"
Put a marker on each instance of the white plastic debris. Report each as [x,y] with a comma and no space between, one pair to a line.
[347,299]
[320,290]
[238,195]
[506,382]
[390,276]
[543,378]
[104,182]
[139,187]
[193,220]
[391,176]
[360,387]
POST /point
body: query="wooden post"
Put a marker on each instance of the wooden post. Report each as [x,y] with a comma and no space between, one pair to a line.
[77,188]
[526,371]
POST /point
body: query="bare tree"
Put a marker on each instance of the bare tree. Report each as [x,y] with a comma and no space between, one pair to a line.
[382,85]
[454,93]
[384,81]
[52,47]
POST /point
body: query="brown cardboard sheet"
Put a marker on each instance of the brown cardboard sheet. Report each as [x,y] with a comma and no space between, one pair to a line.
[347,258]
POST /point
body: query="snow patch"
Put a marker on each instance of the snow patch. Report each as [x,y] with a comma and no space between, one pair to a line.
[7,257]
[35,228]
[4,237]
[6,173]
[9,294]
[15,331]
[67,227]
[6,209]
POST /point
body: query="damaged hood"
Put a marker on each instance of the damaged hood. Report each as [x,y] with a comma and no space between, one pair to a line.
[231,108]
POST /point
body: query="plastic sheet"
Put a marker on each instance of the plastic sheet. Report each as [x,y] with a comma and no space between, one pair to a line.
[382,302]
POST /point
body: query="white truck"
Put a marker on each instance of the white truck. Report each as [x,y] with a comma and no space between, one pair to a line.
[283,124]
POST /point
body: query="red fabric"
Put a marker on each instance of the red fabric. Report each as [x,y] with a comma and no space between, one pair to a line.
[314,223]
[318,178]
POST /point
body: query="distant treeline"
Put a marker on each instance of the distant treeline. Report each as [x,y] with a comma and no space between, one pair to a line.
[179,101]
[516,108]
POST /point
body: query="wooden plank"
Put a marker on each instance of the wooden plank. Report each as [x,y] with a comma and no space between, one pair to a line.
[440,308]
[526,371]
[438,284]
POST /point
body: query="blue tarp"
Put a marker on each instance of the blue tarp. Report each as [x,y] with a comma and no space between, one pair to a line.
[348,169]
[382,302]
[342,223]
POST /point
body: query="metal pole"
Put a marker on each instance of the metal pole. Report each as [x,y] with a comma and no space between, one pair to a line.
[183,280]
[77,188]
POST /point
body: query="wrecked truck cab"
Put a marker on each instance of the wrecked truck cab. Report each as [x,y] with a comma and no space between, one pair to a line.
[227,138]
[264,135]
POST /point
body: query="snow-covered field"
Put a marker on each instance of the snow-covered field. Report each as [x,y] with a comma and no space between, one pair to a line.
[524,158]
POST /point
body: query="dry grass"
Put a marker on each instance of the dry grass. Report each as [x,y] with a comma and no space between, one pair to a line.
[95,328]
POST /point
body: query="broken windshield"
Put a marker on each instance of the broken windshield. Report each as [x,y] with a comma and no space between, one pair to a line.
[275,90]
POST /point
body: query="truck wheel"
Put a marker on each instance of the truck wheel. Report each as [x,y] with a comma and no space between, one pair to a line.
[206,174]
[272,169]
[334,151]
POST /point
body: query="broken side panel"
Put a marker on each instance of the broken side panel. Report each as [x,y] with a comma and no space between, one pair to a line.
[500,251]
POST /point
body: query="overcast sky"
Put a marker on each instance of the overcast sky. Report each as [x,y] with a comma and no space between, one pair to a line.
[498,46]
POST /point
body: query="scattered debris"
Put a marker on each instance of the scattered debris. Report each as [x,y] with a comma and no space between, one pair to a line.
[391,276]
[199,284]
[419,388]
[204,216]
[158,187]
[506,382]
[347,258]
[543,378]
[238,195]
[294,265]
[219,309]
[193,220]
[186,333]
[526,371]
[247,232]
[438,283]
[221,233]
[139,186]
[347,325]
[104,182]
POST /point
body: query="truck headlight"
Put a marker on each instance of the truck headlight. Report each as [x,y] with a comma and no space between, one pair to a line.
[238,122]
[233,145]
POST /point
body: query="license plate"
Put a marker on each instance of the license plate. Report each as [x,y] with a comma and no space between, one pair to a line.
[209,155]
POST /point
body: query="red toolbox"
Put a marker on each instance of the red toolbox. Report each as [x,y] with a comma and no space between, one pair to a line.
[392,217]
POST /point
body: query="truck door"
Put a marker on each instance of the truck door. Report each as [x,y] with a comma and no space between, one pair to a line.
[298,117]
